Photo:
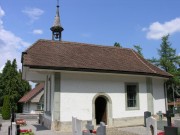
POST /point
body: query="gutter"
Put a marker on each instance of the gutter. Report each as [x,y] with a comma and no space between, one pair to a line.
[96,70]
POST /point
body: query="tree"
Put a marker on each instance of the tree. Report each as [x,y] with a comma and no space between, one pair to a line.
[6,114]
[116,44]
[24,87]
[138,49]
[12,84]
[1,91]
[168,61]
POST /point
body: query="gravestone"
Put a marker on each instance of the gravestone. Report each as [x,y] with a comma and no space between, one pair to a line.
[13,130]
[89,128]
[177,123]
[76,126]
[146,115]
[170,130]
[101,130]
[160,114]
[151,126]
[161,124]
[168,116]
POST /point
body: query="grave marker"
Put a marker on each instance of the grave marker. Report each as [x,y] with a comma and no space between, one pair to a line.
[151,126]
[76,126]
[171,130]
[89,126]
[14,130]
[160,114]
[177,122]
[101,130]
[146,115]
[168,116]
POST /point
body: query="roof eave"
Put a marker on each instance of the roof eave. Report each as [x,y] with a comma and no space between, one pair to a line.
[97,70]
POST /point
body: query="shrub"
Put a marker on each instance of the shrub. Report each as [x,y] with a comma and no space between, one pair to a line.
[26,132]
[6,108]
[0,110]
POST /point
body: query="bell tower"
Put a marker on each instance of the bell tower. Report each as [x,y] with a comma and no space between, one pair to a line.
[57,28]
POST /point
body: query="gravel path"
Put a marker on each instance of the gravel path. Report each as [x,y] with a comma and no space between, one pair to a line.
[137,130]
[36,128]
[116,131]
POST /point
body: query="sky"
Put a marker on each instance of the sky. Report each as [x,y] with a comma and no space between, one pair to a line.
[101,22]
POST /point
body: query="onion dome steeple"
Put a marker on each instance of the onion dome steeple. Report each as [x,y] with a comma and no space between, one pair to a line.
[57,28]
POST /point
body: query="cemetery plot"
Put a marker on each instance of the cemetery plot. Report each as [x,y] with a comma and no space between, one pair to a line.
[77,128]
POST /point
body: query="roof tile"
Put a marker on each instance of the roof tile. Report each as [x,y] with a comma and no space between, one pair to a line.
[71,55]
[27,97]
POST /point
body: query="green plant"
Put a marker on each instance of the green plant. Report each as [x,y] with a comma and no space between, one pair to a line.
[0,110]
[30,133]
[6,108]
[26,132]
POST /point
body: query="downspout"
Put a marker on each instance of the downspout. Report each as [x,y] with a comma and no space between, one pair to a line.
[165,93]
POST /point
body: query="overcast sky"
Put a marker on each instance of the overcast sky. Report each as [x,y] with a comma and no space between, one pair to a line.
[102,22]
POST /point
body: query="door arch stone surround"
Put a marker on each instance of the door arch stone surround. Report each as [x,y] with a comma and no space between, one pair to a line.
[109,108]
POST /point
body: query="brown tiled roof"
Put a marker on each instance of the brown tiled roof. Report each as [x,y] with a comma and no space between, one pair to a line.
[27,97]
[62,55]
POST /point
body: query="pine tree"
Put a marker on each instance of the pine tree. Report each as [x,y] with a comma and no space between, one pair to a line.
[12,84]
[138,49]
[6,108]
[24,87]
[168,61]
[116,44]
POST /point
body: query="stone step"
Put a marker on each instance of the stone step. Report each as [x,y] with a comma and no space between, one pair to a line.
[27,116]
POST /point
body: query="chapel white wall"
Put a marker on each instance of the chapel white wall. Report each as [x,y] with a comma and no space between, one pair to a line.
[159,96]
[78,90]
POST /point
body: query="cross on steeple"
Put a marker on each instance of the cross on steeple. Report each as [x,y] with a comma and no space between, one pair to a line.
[57,28]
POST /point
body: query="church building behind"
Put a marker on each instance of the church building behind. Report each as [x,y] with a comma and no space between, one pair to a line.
[92,82]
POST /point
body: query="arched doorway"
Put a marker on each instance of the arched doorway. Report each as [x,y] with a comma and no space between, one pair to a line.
[108,102]
[101,110]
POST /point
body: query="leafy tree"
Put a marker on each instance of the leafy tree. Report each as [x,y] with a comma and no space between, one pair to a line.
[116,44]
[12,85]
[168,61]
[138,49]
[6,108]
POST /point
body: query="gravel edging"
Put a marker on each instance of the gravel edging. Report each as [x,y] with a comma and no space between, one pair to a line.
[116,131]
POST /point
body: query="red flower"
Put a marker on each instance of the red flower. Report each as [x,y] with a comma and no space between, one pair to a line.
[94,131]
[161,133]
[25,130]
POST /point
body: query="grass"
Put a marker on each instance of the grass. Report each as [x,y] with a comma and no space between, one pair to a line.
[30,133]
